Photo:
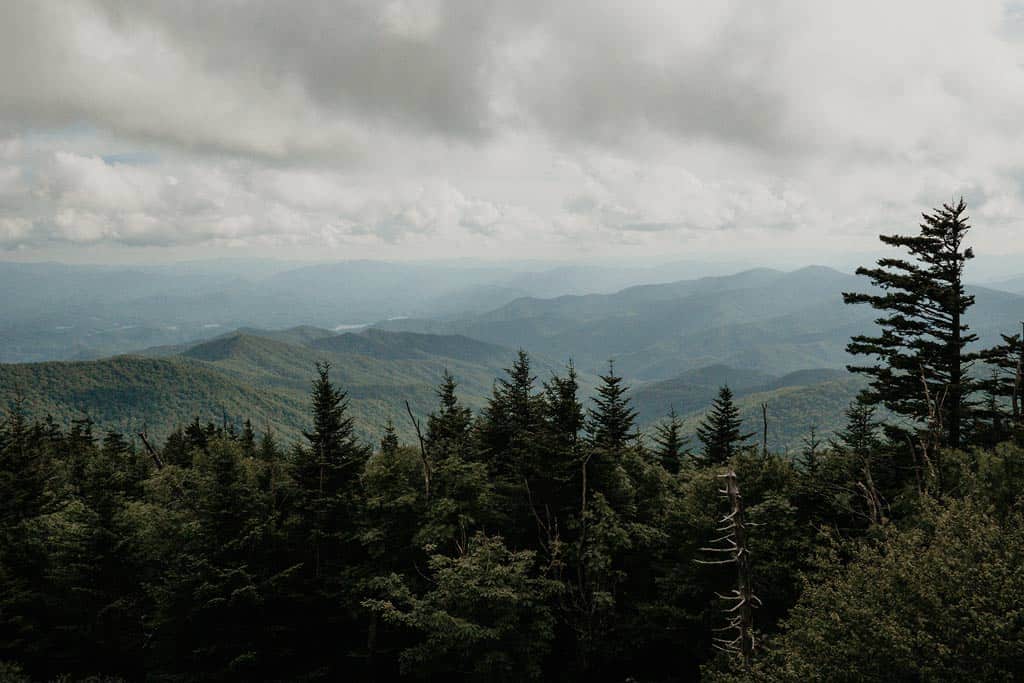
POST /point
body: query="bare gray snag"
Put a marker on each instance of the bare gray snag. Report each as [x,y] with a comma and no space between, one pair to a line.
[739,614]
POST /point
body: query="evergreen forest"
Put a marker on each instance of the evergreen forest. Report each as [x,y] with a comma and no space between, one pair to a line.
[541,534]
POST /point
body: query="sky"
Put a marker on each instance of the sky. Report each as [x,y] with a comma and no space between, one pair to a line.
[581,129]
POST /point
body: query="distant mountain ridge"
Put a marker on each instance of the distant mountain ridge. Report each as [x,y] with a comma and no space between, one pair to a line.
[760,319]
[55,311]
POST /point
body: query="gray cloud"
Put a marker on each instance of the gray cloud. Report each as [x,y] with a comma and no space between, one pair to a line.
[439,124]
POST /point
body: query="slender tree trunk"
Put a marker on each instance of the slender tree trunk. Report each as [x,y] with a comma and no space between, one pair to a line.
[1018,380]
[764,437]
[955,371]
[743,579]
[319,516]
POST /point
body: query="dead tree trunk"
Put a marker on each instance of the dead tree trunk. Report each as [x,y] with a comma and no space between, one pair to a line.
[424,458]
[764,437]
[1018,380]
[157,460]
[733,543]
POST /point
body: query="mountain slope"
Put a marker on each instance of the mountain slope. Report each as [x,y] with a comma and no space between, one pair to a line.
[264,375]
[796,401]
[253,374]
[762,319]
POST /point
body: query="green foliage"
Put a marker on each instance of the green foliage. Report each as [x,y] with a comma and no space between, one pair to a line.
[939,600]
[527,542]
[487,614]
[720,432]
[611,420]
[671,444]
[920,363]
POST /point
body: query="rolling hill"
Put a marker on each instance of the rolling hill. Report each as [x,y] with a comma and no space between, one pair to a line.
[261,375]
[796,401]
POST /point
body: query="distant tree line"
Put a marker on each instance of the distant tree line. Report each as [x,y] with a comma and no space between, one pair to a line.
[543,538]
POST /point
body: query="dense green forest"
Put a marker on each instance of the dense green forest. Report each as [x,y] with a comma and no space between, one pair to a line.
[543,536]
[263,376]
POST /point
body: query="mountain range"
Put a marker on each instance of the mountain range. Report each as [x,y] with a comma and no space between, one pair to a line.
[54,311]
[762,319]
[774,337]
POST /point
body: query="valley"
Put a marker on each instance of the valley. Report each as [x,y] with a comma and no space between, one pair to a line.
[774,337]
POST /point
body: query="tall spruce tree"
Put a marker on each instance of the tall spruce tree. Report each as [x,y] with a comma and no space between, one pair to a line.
[920,361]
[327,472]
[449,426]
[860,435]
[610,421]
[562,408]
[328,509]
[670,442]
[721,431]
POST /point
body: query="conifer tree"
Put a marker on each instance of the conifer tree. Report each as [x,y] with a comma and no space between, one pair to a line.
[860,435]
[327,523]
[1005,385]
[460,485]
[920,362]
[248,440]
[860,442]
[448,427]
[389,440]
[810,452]
[610,421]
[562,408]
[507,431]
[511,418]
[721,431]
[327,471]
[559,450]
[670,442]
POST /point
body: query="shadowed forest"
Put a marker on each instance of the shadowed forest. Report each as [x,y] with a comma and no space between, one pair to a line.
[543,536]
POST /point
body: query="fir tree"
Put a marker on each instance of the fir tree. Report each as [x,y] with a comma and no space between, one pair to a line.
[1005,385]
[511,418]
[389,441]
[670,442]
[248,440]
[610,421]
[721,431]
[562,408]
[448,427]
[327,471]
[860,435]
[810,452]
[460,485]
[920,359]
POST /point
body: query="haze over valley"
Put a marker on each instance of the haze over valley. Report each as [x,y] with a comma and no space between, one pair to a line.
[247,336]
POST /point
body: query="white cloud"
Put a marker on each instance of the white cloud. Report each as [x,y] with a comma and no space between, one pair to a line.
[480,127]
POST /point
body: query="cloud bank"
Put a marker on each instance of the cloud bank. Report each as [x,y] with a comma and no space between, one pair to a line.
[477,127]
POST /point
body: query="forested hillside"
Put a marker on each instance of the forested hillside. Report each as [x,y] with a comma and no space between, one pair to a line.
[263,375]
[258,375]
[795,403]
[247,507]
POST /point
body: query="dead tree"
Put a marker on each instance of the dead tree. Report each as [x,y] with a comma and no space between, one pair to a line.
[1018,381]
[739,629]
[157,460]
[764,433]
[424,457]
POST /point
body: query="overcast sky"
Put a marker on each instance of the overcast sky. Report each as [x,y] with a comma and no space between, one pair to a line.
[477,128]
